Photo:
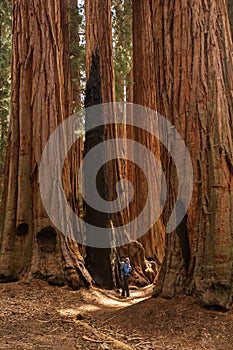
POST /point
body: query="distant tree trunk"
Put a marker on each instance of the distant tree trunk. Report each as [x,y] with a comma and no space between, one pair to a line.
[230,15]
[119,44]
[77,60]
[5,57]
[100,89]
[128,7]
[41,90]
[144,93]
[76,53]
[122,38]
[195,81]
[129,87]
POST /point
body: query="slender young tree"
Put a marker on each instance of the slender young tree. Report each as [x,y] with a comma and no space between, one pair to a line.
[194,88]
[40,101]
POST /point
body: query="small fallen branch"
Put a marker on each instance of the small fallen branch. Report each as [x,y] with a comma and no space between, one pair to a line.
[109,319]
[93,340]
[110,339]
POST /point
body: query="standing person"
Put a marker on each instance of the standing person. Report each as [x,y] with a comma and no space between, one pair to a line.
[122,264]
[126,274]
[121,277]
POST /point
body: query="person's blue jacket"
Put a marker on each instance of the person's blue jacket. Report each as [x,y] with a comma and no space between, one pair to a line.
[127,269]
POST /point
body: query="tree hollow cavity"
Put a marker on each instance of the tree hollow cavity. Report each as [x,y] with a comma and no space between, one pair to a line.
[47,239]
[22,229]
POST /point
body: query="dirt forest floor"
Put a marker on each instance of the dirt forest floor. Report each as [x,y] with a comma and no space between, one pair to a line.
[39,316]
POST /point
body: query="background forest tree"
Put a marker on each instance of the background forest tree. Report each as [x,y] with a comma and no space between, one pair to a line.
[230,14]
[5,61]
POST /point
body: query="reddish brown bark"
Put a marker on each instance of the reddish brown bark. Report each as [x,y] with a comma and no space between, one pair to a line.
[40,102]
[194,76]
[100,89]
[99,37]
[144,93]
[129,87]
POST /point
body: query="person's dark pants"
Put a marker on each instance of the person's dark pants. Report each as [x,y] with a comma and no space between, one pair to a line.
[125,289]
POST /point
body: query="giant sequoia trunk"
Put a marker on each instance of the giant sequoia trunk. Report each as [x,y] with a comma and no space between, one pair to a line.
[195,81]
[40,101]
[100,89]
[145,95]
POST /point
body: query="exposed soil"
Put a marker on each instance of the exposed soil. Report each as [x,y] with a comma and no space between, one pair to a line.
[39,316]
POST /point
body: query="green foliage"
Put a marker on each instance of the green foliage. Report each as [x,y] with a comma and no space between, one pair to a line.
[122,42]
[5,69]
